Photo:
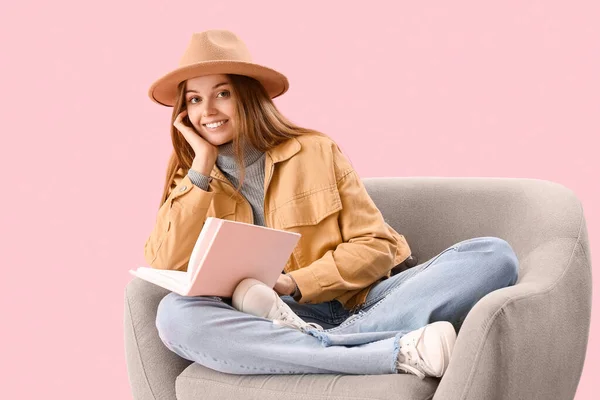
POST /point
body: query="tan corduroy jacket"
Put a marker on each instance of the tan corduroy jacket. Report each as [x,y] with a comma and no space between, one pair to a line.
[310,188]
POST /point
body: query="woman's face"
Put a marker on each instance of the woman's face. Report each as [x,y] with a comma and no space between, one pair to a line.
[209,100]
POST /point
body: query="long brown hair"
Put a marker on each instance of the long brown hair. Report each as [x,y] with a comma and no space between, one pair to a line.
[257,119]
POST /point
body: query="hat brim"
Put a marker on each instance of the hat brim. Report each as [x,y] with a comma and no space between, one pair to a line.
[164,90]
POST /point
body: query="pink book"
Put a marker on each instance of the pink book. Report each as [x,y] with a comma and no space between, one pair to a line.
[225,253]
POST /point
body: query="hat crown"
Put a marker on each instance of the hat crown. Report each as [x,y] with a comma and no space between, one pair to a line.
[215,45]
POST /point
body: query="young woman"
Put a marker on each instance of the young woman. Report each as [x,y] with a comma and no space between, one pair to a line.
[336,308]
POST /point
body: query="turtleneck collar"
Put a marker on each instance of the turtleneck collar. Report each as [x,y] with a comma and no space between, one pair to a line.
[226,156]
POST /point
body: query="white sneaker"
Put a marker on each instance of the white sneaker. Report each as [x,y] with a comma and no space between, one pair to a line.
[254,297]
[427,350]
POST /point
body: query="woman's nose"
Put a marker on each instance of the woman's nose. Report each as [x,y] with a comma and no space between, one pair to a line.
[209,108]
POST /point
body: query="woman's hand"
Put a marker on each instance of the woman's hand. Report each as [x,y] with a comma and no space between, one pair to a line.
[285,285]
[205,153]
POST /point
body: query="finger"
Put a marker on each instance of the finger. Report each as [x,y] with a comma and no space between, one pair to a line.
[181,115]
[179,124]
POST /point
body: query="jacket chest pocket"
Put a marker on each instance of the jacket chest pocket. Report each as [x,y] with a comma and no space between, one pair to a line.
[308,209]
[313,216]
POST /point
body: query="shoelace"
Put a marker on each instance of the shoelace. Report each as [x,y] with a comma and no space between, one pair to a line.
[287,320]
[414,360]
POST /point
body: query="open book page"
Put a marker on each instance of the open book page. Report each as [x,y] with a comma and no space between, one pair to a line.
[181,281]
[209,231]
[204,243]
[175,281]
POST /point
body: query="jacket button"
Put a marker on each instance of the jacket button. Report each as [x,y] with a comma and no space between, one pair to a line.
[183,188]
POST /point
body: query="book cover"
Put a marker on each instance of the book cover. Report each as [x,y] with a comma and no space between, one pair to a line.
[225,253]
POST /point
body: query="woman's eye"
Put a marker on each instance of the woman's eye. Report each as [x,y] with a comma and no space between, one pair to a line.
[191,100]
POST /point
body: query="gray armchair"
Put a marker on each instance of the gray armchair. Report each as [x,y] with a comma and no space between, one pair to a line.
[527,341]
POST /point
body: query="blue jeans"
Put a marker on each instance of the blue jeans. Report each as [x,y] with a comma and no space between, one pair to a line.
[209,331]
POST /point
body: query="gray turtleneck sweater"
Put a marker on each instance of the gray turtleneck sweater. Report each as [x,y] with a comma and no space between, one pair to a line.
[252,188]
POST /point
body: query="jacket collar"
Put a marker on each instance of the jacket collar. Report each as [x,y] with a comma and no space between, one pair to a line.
[284,150]
[281,152]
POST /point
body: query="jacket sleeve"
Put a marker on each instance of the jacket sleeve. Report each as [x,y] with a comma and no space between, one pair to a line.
[178,224]
[368,248]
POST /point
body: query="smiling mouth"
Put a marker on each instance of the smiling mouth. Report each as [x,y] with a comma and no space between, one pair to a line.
[216,124]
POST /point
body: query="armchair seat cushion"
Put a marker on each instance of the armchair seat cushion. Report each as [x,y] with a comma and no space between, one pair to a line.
[198,382]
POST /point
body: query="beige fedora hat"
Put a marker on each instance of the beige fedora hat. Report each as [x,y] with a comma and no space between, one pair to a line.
[216,52]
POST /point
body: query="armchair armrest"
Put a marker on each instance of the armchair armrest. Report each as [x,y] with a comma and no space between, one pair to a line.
[528,341]
[152,368]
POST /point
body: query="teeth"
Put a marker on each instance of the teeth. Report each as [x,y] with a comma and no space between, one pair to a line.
[215,125]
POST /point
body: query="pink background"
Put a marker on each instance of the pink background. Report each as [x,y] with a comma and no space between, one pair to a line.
[501,89]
